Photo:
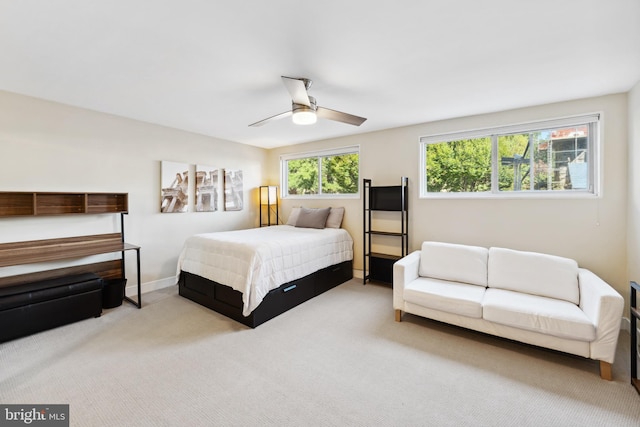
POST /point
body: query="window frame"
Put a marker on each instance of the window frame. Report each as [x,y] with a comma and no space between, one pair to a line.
[593,120]
[284,185]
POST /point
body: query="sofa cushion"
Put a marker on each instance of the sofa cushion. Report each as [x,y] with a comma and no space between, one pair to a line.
[452,297]
[459,263]
[548,316]
[534,273]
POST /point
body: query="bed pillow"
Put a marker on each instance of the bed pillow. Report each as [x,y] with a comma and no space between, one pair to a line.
[293,216]
[334,220]
[312,218]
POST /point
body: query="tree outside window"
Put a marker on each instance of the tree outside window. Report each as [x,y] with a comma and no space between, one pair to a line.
[554,159]
[330,173]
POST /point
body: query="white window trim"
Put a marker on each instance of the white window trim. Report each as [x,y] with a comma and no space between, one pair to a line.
[320,153]
[594,169]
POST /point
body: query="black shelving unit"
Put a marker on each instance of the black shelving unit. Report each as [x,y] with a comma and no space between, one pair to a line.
[377,266]
[634,315]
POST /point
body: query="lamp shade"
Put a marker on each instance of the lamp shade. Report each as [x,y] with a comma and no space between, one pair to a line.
[268,205]
[268,194]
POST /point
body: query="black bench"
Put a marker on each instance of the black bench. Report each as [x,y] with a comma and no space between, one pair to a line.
[37,306]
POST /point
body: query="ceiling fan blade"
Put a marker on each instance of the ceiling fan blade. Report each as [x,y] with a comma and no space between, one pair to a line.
[298,90]
[339,116]
[270,119]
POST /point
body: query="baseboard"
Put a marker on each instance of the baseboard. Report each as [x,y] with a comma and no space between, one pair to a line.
[132,290]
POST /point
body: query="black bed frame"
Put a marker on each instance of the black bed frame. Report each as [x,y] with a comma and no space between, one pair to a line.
[227,301]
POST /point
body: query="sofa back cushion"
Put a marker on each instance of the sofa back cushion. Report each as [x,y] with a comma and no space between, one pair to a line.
[458,263]
[534,273]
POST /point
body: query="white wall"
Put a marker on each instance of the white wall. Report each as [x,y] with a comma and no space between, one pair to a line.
[46,146]
[592,231]
[633,243]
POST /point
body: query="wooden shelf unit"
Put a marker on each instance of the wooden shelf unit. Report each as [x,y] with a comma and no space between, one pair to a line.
[13,204]
[16,203]
[36,251]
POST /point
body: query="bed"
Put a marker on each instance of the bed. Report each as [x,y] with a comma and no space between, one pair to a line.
[254,275]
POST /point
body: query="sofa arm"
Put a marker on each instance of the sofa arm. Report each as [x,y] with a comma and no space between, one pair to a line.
[405,270]
[604,306]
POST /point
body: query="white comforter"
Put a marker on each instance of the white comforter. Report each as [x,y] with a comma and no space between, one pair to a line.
[257,260]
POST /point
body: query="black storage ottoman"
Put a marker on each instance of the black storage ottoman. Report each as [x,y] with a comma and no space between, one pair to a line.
[33,307]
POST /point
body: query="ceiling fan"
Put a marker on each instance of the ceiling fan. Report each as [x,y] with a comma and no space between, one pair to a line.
[304,110]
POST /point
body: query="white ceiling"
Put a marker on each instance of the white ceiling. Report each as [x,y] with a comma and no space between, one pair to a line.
[214,66]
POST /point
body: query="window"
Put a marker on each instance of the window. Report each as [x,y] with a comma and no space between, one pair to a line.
[326,173]
[552,157]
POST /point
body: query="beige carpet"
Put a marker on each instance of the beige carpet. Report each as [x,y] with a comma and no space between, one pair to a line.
[337,360]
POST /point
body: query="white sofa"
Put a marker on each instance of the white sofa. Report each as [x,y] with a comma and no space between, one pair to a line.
[534,298]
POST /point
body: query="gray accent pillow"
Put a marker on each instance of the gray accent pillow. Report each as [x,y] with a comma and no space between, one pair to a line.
[293,216]
[312,218]
[334,220]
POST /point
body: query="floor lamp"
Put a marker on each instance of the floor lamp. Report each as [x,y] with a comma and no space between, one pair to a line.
[268,205]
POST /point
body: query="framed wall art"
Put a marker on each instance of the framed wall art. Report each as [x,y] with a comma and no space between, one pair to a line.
[233,199]
[174,186]
[207,182]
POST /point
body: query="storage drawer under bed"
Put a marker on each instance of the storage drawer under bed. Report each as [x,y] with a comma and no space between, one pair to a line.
[286,296]
[227,301]
[332,276]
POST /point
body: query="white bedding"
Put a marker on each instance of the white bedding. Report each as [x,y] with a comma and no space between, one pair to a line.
[257,260]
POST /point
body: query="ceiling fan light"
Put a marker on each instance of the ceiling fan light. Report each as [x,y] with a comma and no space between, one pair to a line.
[304,117]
